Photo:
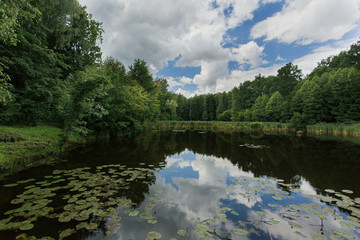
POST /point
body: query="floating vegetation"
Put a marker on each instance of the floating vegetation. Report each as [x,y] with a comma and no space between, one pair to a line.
[252,146]
[97,199]
[182,233]
[240,231]
[153,235]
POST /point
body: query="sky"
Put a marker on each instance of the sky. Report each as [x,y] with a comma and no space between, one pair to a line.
[209,46]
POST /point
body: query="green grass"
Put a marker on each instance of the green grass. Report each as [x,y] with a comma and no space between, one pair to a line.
[352,129]
[266,127]
[224,126]
[21,145]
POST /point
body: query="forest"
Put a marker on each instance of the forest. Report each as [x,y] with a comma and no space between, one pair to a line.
[52,72]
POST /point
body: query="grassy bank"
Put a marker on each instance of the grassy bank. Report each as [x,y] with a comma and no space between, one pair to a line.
[224,126]
[335,129]
[266,127]
[21,145]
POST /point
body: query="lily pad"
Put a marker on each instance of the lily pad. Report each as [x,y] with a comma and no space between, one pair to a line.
[11,185]
[295,225]
[202,227]
[329,191]
[274,221]
[67,232]
[343,234]
[153,235]
[27,227]
[347,191]
[347,225]
[317,236]
[182,233]
[240,231]
[133,213]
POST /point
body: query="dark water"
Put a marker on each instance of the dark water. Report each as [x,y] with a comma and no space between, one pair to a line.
[189,186]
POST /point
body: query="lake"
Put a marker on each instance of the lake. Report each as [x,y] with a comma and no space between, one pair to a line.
[189,185]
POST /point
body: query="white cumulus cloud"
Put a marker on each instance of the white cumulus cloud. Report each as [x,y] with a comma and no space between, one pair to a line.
[309,21]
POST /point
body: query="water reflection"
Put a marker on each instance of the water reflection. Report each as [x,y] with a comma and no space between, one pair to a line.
[196,186]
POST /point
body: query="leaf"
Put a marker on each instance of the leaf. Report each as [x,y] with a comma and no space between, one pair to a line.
[11,185]
[67,232]
[240,231]
[181,232]
[343,234]
[347,225]
[153,235]
[27,227]
[133,213]
[317,236]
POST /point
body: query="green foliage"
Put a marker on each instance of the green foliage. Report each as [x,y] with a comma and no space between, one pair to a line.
[140,72]
[20,145]
[258,109]
[297,121]
[12,13]
[225,116]
[273,108]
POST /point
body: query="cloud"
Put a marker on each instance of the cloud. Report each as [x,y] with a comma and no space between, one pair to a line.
[160,31]
[250,53]
[173,83]
[184,93]
[308,62]
[309,21]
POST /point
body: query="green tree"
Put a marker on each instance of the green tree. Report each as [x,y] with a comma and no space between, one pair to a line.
[287,78]
[221,105]
[140,72]
[346,95]
[258,109]
[273,108]
[171,106]
[236,103]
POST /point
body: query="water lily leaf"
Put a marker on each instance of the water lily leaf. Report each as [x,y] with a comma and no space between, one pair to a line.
[317,236]
[152,221]
[26,181]
[27,226]
[347,191]
[91,226]
[261,213]
[222,217]
[11,185]
[336,237]
[240,231]
[234,213]
[347,225]
[294,207]
[182,233]
[202,234]
[202,227]
[67,232]
[133,213]
[343,234]
[274,221]
[329,191]
[294,225]
[224,209]
[153,235]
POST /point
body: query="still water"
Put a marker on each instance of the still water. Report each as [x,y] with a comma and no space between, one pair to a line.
[189,185]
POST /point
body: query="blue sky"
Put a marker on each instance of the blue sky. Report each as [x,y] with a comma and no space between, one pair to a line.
[207,46]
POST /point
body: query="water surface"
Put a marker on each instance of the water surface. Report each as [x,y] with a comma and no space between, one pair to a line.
[181,185]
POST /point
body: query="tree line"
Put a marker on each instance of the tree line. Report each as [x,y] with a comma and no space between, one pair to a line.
[330,93]
[52,72]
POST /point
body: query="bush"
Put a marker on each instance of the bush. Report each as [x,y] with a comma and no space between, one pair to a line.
[225,116]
